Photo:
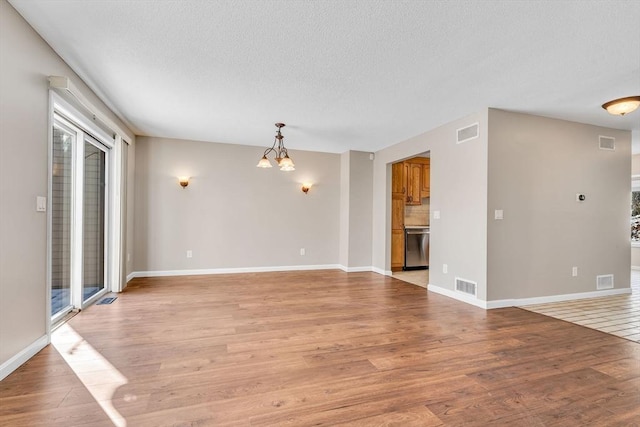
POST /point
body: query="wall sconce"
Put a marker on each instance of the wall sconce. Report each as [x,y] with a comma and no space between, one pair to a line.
[184,181]
[305,187]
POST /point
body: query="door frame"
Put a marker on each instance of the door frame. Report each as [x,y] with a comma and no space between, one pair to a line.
[81,119]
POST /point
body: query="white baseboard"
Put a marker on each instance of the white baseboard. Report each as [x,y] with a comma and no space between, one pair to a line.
[16,361]
[131,276]
[162,273]
[469,299]
[355,269]
[381,271]
[518,302]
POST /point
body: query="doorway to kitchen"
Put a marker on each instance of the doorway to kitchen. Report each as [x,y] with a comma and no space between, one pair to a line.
[410,229]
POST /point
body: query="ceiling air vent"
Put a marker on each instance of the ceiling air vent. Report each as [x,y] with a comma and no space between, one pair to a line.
[470,132]
[607,143]
[466,286]
[604,282]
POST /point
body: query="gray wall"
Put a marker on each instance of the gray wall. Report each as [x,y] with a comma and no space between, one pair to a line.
[26,61]
[536,167]
[356,192]
[458,191]
[232,214]
[345,159]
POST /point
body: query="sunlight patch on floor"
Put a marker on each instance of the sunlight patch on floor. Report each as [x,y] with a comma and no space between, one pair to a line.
[99,376]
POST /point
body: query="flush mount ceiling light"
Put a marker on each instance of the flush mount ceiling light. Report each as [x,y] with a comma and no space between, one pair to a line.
[281,154]
[622,106]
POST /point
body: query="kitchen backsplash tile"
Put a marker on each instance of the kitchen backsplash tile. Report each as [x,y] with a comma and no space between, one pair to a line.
[417,215]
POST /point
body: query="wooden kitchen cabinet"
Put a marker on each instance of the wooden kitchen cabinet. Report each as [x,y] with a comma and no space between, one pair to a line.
[397,178]
[397,250]
[397,211]
[414,183]
[398,191]
[426,179]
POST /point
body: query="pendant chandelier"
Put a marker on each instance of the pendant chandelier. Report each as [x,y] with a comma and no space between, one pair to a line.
[280,152]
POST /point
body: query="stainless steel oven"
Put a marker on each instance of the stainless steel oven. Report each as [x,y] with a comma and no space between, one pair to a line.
[416,247]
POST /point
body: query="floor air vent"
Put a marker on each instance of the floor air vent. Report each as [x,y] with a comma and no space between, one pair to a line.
[470,132]
[466,286]
[607,143]
[604,282]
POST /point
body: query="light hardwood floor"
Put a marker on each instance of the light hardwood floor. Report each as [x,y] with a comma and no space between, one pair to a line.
[319,348]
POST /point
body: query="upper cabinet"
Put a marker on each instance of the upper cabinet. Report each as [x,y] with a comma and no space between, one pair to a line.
[415,179]
[398,184]
[426,179]
[413,173]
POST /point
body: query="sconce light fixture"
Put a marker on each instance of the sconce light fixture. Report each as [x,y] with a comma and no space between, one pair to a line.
[280,152]
[184,181]
[622,106]
[305,187]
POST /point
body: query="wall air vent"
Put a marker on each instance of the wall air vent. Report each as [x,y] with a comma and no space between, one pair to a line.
[468,133]
[604,282]
[466,286]
[607,143]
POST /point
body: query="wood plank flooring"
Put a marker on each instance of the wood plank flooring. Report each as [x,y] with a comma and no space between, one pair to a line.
[319,348]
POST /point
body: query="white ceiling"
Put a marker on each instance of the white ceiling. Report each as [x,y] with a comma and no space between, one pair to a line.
[343,74]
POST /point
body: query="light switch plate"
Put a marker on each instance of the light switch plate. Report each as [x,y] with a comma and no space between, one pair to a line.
[499,214]
[436,214]
[41,204]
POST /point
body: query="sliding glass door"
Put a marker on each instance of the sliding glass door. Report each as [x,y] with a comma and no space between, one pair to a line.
[64,141]
[79,226]
[93,218]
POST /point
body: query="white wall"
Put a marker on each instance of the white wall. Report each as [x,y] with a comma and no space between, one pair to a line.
[458,191]
[26,62]
[232,215]
[537,166]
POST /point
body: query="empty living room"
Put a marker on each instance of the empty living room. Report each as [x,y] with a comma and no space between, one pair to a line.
[362,213]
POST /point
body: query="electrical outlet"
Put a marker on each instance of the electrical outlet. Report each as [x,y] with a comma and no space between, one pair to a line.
[498,214]
[574,271]
[436,214]
[128,257]
[189,254]
[303,251]
[445,268]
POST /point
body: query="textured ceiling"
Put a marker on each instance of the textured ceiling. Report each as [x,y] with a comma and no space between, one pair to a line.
[342,75]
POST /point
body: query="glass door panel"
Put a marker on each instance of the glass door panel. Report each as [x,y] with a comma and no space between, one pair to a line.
[94,227]
[64,141]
